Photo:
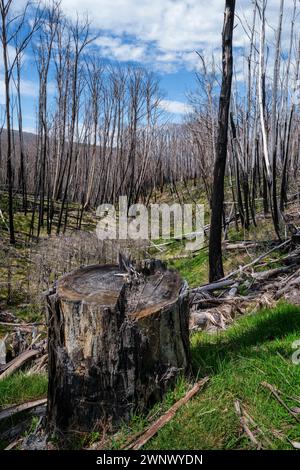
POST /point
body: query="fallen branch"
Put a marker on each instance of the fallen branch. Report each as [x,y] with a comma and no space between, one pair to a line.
[13,444]
[165,418]
[212,302]
[22,325]
[240,246]
[246,419]
[223,284]
[287,287]
[245,426]
[39,365]
[22,424]
[257,260]
[13,410]
[264,275]
[18,362]
[275,393]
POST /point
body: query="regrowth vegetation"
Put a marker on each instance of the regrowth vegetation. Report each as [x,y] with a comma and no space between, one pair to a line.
[258,348]
[101,134]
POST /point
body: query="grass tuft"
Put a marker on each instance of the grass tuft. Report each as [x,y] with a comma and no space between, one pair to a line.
[20,387]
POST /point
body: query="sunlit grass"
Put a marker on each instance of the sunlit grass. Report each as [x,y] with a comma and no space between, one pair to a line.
[21,387]
[256,348]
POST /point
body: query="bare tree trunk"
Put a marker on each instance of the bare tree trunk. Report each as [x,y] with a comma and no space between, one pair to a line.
[274,122]
[22,179]
[4,13]
[215,242]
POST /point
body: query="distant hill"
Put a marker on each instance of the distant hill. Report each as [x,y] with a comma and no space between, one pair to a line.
[28,137]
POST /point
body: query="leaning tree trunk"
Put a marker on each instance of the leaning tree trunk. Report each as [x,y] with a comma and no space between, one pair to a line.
[116,342]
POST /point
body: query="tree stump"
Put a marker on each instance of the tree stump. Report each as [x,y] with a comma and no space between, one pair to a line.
[117,341]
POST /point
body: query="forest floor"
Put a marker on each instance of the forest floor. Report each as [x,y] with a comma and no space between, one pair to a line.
[256,349]
[254,346]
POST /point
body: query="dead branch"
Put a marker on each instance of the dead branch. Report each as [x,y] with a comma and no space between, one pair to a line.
[18,362]
[247,419]
[13,410]
[13,444]
[213,286]
[275,393]
[257,260]
[245,426]
[264,275]
[163,420]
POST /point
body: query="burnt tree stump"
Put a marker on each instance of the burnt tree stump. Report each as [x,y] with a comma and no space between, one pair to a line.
[117,341]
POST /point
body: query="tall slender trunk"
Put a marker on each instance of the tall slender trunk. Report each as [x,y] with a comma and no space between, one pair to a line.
[8,128]
[215,242]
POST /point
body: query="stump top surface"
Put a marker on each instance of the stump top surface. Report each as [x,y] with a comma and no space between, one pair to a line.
[103,285]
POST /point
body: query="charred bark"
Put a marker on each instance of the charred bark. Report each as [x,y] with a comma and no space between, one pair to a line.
[116,343]
[215,241]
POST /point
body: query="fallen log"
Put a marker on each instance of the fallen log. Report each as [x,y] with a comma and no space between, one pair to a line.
[288,284]
[233,291]
[240,246]
[215,301]
[13,410]
[3,323]
[117,341]
[18,429]
[165,418]
[220,285]
[265,275]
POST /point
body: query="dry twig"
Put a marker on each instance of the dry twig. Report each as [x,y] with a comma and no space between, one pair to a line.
[165,418]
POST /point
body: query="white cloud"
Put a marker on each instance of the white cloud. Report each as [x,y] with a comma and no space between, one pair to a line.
[171,24]
[114,48]
[167,32]
[29,89]
[175,107]
[11,55]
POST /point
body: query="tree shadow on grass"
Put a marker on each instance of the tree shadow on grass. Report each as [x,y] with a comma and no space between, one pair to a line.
[259,329]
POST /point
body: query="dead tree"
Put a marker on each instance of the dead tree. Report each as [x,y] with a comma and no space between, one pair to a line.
[11,24]
[80,34]
[4,10]
[274,122]
[215,248]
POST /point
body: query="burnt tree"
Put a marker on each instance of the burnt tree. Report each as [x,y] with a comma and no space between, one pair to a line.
[117,340]
[215,241]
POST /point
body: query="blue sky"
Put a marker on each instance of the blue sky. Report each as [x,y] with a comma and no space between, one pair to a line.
[161,35]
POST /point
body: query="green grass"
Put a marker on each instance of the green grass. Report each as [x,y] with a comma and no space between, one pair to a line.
[194,270]
[257,348]
[19,388]
[28,313]
[16,389]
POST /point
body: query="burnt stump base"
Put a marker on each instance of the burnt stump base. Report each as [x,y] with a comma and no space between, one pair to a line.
[116,342]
